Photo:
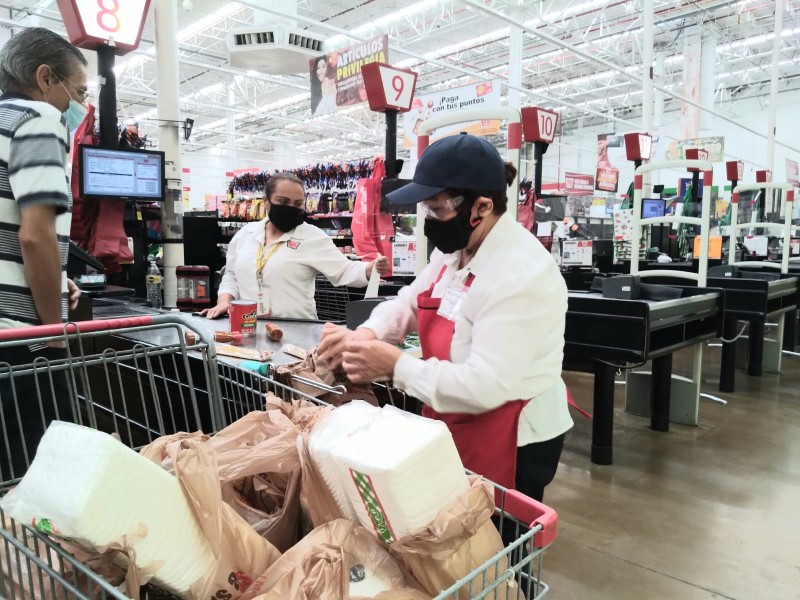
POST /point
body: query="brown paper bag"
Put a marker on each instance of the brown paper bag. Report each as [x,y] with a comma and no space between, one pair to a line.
[241,554]
[331,559]
[459,540]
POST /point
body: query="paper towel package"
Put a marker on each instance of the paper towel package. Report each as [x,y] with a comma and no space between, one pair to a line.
[399,471]
[87,486]
[337,426]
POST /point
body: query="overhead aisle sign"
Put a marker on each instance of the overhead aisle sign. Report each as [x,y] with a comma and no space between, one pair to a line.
[93,23]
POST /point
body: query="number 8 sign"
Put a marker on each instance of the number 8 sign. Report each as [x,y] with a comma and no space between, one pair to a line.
[539,124]
[388,88]
[93,23]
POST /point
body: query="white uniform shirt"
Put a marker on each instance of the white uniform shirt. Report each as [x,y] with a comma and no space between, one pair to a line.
[289,273]
[509,334]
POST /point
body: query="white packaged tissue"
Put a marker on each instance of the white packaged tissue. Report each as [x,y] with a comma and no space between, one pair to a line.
[399,471]
[87,486]
[327,435]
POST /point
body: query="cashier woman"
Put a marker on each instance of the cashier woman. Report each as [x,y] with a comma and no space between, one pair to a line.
[490,311]
[273,262]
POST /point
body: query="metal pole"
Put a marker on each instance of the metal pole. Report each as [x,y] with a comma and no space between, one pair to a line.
[108,97]
[539,148]
[773,86]
[169,117]
[391,144]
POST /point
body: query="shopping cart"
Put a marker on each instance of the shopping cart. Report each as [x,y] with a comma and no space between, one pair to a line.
[133,390]
[180,387]
[532,525]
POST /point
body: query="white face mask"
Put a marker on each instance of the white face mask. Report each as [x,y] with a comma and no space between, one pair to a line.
[74,115]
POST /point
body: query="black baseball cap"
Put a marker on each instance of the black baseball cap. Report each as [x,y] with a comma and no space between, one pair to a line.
[462,162]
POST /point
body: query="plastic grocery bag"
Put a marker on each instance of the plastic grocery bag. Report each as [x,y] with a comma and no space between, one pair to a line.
[24,578]
[311,368]
[459,540]
[338,561]
[259,469]
[240,553]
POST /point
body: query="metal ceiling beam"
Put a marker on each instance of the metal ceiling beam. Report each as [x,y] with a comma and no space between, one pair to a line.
[446,65]
[610,65]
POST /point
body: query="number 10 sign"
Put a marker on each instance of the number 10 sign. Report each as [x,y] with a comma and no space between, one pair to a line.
[93,23]
[539,124]
[388,88]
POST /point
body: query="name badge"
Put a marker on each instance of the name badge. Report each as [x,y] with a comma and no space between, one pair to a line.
[452,300]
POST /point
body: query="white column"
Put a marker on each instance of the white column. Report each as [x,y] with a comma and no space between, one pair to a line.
[515,40]
[231,130]
[690,114]
[647,67]
[658,112]
[658,95]
[708,86]
[287,8]
[169,117]
[773,85]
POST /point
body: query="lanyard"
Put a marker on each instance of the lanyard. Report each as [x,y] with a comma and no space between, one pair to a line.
[261,260]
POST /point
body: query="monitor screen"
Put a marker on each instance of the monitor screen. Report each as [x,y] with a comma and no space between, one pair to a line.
[653,207]
[130,174]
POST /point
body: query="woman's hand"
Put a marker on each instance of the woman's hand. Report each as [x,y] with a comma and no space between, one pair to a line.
[381,263]
[335,339]
[74,294]
[365,361]
[223,304]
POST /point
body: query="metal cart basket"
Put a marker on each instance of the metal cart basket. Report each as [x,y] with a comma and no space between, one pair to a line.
[178,387]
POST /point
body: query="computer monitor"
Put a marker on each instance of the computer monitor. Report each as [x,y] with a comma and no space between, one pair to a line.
[653,207]
[128,174]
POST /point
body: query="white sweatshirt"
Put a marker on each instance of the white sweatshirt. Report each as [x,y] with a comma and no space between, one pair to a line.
[509,334]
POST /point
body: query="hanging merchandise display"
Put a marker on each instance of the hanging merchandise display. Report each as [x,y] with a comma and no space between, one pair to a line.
[330,190]
[373,230]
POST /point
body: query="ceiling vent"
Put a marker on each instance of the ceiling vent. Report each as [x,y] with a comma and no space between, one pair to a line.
[275,48]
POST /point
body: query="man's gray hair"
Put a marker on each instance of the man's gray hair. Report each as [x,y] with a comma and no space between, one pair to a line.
[24,53]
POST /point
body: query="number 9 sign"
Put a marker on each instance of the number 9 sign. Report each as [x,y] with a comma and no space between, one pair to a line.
[539,124]
[388,88]
[93,23]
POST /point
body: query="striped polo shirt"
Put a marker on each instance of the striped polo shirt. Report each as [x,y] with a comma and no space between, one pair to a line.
[33,161]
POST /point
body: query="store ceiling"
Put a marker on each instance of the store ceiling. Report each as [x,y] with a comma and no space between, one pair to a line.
[449,42]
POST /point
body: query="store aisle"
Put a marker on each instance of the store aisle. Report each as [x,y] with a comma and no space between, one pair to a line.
[705,512]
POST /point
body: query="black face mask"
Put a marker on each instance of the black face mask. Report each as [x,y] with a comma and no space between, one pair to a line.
[450,236]
[285,217]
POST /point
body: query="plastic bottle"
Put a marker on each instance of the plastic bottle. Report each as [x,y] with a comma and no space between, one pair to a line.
[154,285]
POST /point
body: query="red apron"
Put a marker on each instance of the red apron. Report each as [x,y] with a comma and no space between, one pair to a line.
[487,442]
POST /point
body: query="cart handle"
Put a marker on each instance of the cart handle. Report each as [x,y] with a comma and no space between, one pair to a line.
[57,329]
[528,510]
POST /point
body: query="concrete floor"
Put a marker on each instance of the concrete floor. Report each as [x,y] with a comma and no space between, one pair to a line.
[700,512]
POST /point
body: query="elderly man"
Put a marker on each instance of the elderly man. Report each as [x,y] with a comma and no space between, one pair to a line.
[43,80]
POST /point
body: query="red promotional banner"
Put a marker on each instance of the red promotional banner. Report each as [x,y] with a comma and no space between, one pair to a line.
[578,184]
[607,179]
